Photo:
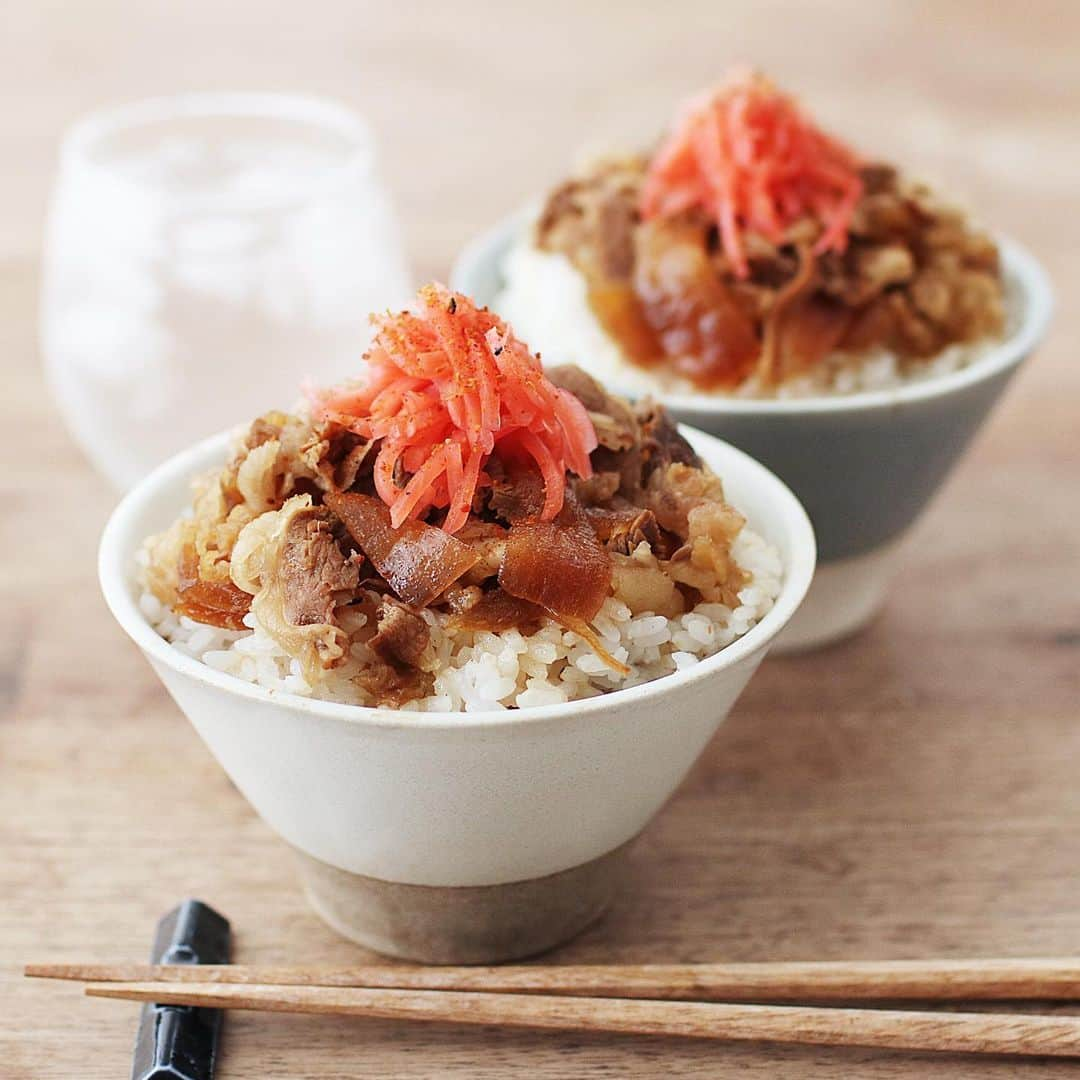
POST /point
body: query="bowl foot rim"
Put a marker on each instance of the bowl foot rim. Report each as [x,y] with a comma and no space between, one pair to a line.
[464,924]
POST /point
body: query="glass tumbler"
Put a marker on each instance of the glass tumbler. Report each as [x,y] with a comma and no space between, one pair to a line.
[205,255]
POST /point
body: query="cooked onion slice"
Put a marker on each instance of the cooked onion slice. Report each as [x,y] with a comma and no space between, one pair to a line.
[496,611]
[562,567]
[419,562]
[216,603]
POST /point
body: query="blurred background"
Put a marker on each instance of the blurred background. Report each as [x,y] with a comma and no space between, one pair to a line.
[478,105]
[475,108]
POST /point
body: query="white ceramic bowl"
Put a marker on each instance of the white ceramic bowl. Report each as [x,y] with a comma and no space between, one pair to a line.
[864,465]
[452,836]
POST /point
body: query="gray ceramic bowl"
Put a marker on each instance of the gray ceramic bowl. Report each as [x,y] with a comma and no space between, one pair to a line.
[864,464]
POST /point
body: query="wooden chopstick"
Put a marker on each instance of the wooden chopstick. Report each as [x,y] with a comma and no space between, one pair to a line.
[953,1032]
[891,980]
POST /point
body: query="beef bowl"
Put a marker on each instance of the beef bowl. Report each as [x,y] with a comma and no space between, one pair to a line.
[459,746]
[834,317]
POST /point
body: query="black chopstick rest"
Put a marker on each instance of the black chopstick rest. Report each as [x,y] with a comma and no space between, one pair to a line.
[176,1041]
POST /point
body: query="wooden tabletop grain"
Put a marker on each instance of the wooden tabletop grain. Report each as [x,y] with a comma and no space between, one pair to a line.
[909,793]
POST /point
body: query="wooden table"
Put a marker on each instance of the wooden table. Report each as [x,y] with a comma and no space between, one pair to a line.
[910,793]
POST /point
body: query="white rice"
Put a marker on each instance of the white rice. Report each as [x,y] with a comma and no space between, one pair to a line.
[477,671]
[546,301]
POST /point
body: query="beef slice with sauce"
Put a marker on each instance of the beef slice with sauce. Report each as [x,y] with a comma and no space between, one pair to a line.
[661,441]
[614,421]
[517,493]
[401,636]
[290,563]
[314,571]
[399,646]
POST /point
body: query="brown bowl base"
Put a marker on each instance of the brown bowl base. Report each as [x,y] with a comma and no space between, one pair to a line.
[485,924]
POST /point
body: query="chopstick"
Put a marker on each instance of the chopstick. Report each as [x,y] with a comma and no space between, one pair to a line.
[896,1030]
[891,980]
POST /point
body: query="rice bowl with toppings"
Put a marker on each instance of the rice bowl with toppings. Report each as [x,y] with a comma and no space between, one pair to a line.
[472,836]
[753,255]
[488,671]
[460,531]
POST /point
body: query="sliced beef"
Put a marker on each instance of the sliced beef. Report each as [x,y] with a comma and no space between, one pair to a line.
[592,219]
[661,442]
[612,417]
[278,559]
[517,494]
[264,428]
[617,217]
[269,466]
[313,570]
[337,456]
[393,687]
[626,464]
[915,277]
[876,177]
[401,637]
[599,489]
